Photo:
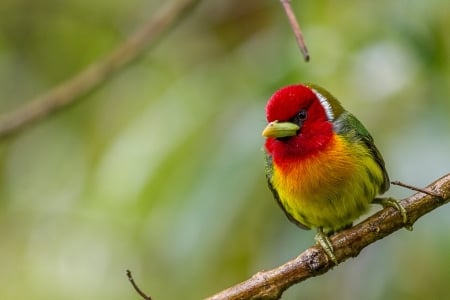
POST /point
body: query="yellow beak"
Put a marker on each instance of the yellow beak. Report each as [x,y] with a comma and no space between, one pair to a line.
[278,130]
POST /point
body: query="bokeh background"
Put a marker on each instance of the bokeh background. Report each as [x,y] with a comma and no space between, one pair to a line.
[161,170]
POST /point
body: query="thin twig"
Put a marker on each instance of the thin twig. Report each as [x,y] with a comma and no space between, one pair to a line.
[296,28]
[94,75]
[346,244]
[399,183]
[135,286]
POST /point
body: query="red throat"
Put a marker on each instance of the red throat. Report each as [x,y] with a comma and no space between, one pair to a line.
[301,146]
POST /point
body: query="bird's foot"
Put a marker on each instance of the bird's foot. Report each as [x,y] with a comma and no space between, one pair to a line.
[324,242]
[391,202]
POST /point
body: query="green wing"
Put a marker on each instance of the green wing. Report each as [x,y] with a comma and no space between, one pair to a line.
[269,173]
[348,125]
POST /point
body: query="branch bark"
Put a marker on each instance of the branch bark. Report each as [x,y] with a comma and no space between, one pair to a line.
[97,73]
[349,243]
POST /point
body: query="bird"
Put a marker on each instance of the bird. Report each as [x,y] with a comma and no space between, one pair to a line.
[321,163]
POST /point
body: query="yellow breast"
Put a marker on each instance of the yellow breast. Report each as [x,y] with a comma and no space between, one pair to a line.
[331,188]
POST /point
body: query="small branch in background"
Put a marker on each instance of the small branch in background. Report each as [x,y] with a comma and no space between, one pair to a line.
[135,286]
[97,73]
[348,243]
[399,183]
[296,28]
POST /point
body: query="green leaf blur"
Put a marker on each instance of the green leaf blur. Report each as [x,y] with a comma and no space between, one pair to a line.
[161,171]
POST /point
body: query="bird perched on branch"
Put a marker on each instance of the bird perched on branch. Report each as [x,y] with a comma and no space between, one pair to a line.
[321,163]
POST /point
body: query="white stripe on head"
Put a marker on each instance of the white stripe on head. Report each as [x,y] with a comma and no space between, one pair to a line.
[325,104]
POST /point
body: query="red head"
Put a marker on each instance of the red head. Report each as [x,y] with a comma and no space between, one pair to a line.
[311,109]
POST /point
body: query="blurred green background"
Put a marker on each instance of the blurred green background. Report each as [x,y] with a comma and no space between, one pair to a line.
[161,169]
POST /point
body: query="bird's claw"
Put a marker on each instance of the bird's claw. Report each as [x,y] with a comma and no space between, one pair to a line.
[391,202]
[324,242]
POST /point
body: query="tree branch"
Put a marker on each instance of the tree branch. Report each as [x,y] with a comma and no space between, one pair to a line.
[136,287]
[295,28]
[97,73]
[348,243]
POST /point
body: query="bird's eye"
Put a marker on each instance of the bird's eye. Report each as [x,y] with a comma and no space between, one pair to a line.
[301,116]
